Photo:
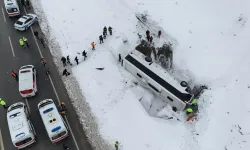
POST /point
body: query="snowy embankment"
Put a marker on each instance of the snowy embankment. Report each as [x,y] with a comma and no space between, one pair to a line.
[212,49]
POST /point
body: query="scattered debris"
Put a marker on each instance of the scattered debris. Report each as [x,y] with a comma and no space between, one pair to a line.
[99,68]
[239,130]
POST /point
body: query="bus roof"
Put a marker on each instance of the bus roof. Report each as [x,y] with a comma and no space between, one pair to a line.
[51,118]
[18,124]
[10,3]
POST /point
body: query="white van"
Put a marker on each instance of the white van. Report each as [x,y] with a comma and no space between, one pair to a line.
[12,8]
[27,81]
[55,125]
[21,129]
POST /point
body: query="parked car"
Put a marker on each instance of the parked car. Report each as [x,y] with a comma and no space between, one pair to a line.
[24,22]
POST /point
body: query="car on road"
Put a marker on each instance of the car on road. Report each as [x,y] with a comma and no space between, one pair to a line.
[54,123]
[24,22]
[12,8]
[22,132]
[27,81]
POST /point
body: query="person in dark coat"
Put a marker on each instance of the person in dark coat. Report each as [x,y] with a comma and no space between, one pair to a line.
[148,38]
[65,72]
[23,2]
[159,34]
[110,30]
[105,30]
[77,60]
[104,35]
[151,39]
[27,3]
[147,33]
[36,34]
[101,39]
[68,60]
[84,54]
[63,59]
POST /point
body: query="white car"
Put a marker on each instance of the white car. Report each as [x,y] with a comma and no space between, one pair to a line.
[25,22]
[27,81]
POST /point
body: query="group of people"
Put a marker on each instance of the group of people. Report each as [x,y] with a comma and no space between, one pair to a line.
[66,60]
[23,42]
[192,108]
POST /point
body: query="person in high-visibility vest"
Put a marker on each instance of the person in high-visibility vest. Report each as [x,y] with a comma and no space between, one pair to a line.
[194,102]
[21,42]
[14,75]
[116,145]
[3,103]
[189,110]
[26,41]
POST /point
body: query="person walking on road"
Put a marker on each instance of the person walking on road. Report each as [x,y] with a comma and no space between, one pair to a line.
[27,3]
[110,30]
[14,75]
[84,54]
[26,41]
[42,42]
[21,42]
[101,39]
[43,62]
[23,2]
[65,147]
[93,45]
[77,60]
[65,72]
[68,60]
[36,34]
[3,103]
[63,59]
[116,145]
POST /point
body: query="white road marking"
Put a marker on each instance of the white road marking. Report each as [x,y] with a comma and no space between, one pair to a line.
[11,46]
[3,15]
[28,106]
[73,136]
[1,141]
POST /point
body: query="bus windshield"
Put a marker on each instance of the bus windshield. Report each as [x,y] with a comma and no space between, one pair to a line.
[12,10]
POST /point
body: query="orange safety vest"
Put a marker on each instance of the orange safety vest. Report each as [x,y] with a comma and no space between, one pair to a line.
[13,74]
[93,44]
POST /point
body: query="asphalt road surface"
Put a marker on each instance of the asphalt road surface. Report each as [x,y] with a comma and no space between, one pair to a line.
[12,57]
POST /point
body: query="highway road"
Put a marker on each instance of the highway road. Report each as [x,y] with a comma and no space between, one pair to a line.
[12,57]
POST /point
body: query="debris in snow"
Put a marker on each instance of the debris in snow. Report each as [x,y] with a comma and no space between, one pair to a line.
[239,130]
[99,68]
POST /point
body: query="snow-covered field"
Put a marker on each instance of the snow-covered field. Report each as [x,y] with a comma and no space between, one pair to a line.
[212,47]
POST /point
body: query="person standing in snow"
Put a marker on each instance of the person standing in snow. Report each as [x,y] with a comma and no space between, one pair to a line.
[159,34]
[65,72]
[151,39]
[148,38]
[84,54]
[93,45]
[189,110]
[110,30]
[147,33]
[116,145]
[104,35]
[63,59]
[120,58]
[101,39]
[105,30]
[68,60]
[77,60]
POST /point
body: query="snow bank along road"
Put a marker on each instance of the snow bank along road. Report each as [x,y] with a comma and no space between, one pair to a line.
[12,57]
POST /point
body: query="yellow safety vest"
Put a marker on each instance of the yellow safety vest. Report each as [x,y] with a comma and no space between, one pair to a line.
[24,39]
[2,102]
[21,42]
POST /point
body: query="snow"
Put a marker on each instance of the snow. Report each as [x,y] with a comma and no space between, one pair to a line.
[210,47]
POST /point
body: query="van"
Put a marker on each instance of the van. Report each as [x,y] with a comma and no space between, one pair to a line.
[158,80]
[54,123]
[12,8]
[27,81]
[22,132]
